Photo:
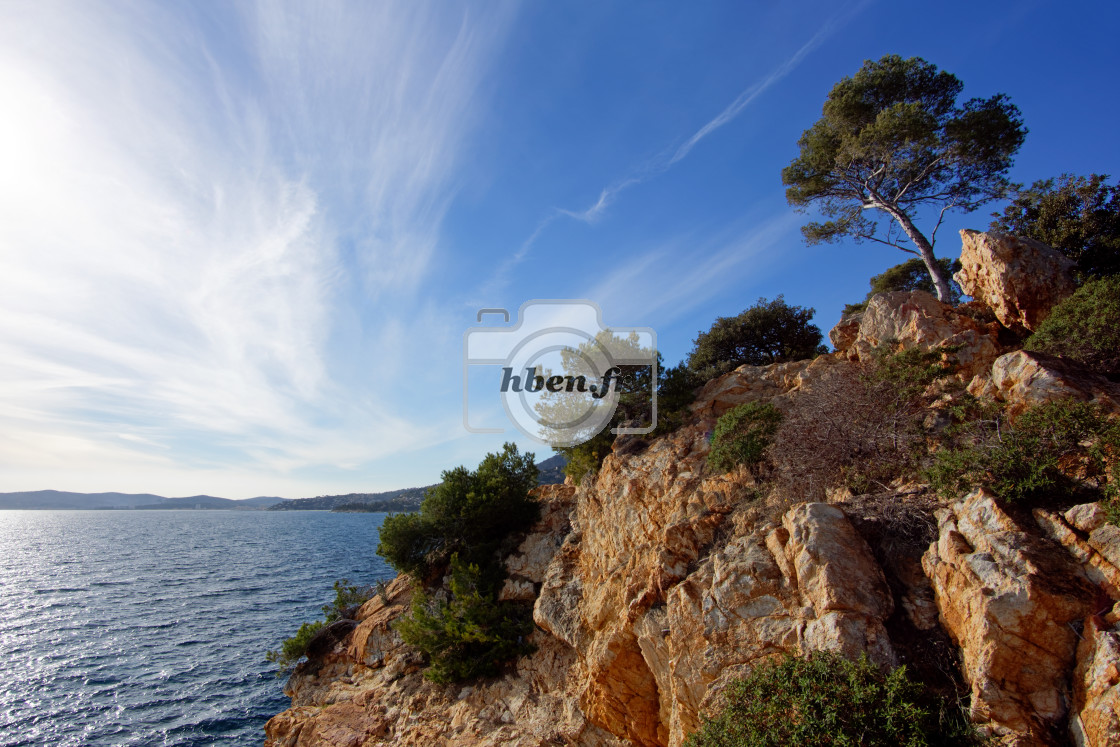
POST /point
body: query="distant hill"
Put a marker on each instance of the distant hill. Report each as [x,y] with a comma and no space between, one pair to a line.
[398,501]
[405,499]
[57,499]
[552,470]
[211,502]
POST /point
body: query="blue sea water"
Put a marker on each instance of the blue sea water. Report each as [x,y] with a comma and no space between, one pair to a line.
[151,627]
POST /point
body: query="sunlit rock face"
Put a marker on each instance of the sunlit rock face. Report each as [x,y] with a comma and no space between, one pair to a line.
[1011,601]
[915,319]
[665,598]
[1024,379]
[1019,279]
[1095,544]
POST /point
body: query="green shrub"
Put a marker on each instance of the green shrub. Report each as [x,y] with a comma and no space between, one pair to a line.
[587,456]
[1085,327]
[293,649]
[1052,449]
[472,635]
[470,513]
[768,332]
[347,596]
[906,374]
[742,435]
[825,699]
[465,523]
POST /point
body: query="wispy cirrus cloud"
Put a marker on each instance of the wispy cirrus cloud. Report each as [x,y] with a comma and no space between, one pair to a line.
[664,282]
[752,92]
[189,206]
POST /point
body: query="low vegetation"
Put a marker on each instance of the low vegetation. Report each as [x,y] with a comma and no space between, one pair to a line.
[1052,450]
[347,598]
[1085,328]
[825,699]
[742,435]
[858,428]
[470,634]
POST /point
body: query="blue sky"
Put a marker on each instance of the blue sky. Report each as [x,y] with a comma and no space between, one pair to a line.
[240,243]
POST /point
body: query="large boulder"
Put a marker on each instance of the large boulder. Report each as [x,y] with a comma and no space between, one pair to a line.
[915,319]
[1023,379]
[1011,601]
[1019,279]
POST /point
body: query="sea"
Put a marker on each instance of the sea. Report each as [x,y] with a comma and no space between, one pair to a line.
[151,627]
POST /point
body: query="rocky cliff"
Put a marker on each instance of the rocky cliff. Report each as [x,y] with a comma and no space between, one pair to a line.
[655,583]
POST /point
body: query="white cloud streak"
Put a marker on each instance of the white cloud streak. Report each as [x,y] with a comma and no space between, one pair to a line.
[665,282]
[744,99]
[733,110]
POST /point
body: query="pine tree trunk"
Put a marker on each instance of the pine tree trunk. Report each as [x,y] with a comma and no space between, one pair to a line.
[926,251]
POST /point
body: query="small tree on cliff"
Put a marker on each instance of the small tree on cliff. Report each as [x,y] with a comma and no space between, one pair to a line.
[768,332]
[893,141]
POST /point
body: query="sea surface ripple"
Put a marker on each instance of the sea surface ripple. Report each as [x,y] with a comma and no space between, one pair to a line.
[151,627]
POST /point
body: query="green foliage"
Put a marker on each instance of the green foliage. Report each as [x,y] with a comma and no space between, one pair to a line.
[587,456]
[676,390]
[347,596]
[409,543]
[910,275]
[1053,449]
[768,332]
[1079,217]
[893,139]
[1085,327]
[293,649]
[742,435]
[472,634]
[464,522]
[825,699]
[470,512]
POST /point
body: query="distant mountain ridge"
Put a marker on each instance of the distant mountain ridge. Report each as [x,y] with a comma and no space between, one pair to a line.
[402,500]
[59,499]
[405,499]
